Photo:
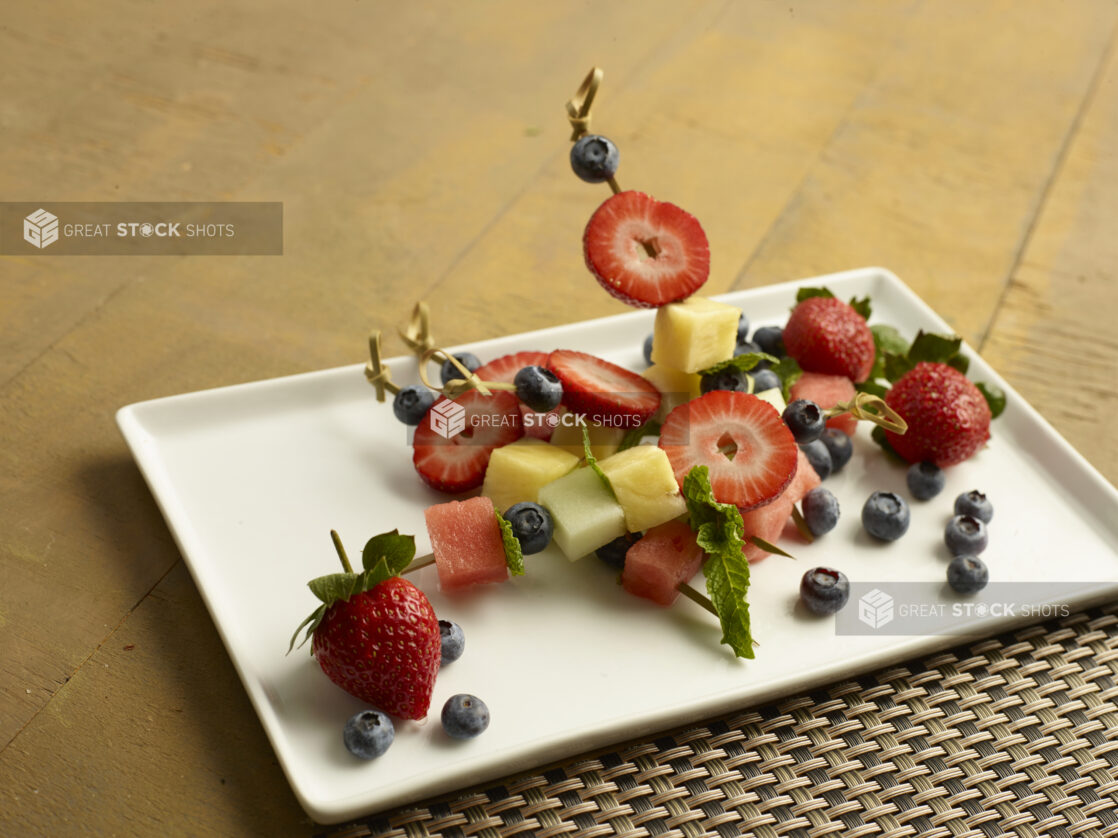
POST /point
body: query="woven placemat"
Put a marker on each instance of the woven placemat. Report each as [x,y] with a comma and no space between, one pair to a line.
[1015,735]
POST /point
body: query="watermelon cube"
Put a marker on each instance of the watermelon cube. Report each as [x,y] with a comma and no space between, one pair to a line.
[583,511]
[768,522]
[466,541]
[827,391]
[657,564]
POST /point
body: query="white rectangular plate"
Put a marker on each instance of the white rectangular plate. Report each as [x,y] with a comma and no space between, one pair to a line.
[251,479]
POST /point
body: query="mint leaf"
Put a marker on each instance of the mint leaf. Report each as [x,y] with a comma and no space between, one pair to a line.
[592,461]
[744,362]
[934,348]
[862,306]
[514,556]
[395,550]
[719,531]
[878,436]
[634,436]
[808,293]
[872,387]
[995,397]
[789,372]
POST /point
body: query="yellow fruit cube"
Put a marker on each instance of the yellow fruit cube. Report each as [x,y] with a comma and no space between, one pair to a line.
[517,471]
[644,484]
[583,511]
[603,440]
[675,387]
[695,334]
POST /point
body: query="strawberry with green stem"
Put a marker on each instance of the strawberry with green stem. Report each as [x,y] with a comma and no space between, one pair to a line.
[375,634]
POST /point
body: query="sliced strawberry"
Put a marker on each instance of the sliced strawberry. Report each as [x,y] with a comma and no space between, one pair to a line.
[605,393]
[749,450]
[454,461]
[505,369]
[645,252]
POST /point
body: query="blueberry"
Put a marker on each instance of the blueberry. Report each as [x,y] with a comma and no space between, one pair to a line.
[805,419]
[412,403]
[538,387]
[729,378]
[771,340]
[648,350]
[454,641]
[467,359]
[824,590]
[840,446]
[613,553]
[745,347]
[743,328]
[925,480]
[765,380]
[976,505]
[821,511]
[594,158]
[819,457]
[885,516]
[531,524]
[965,535]
[967,574]
[368,734]
[465,716]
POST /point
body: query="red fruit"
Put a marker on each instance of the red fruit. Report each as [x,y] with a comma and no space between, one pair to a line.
[749,450]
[659,562]
[382,646]
[605,393]
[466,541]
[826,335]
[948,417]
[768,522]
[505,369]
[455,461]
[827,391]
[616,246]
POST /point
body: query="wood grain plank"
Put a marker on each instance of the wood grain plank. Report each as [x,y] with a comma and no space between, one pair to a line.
[1053,337]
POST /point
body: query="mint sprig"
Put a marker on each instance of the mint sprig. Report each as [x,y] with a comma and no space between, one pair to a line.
[744,362]
[514,555]
[592,461]
[719,531]
[789,372]
[384,556]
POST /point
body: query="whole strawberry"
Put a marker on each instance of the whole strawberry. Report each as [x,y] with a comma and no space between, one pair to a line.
[828,336]
[375,634]
[948,417]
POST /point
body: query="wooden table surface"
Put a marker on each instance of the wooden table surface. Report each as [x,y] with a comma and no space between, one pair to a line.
[420,151]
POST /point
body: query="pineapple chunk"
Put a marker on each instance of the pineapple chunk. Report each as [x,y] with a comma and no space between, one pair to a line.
[584,512]
[695,334]
[519,470]
[645,486]
[603,440]
[774,397]
[675,388]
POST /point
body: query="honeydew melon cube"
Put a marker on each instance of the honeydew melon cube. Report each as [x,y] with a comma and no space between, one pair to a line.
[603,440]
[695,334]
[584,512]
[774,397]
[518,471]
[645,486]
[675,387]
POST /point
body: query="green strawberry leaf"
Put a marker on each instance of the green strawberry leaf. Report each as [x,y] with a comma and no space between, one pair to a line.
[878,436]
[592,461]
[633,436]
[336,586]
[789,372]
[808,293]
[744,362]
[960,362]
[995,397]
[872,387]
[514,556]
[719,531]
[394,549]
[311,623]
[886,341]
[896,366]
[934,348]
[862,306]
